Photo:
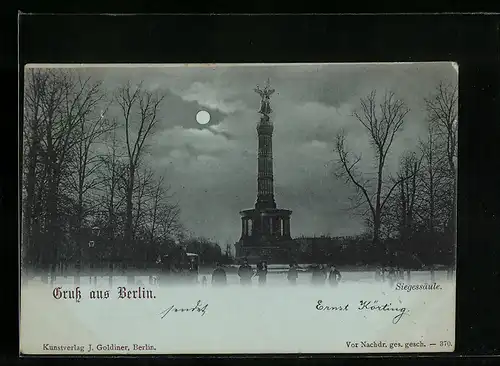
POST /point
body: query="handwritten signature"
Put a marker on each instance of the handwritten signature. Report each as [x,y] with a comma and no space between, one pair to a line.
[198,308]
[377,307]
[370,306]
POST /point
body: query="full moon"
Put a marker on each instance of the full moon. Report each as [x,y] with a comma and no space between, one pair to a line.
[202,117]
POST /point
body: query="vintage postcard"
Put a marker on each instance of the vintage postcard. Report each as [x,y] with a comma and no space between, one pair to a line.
[238,208]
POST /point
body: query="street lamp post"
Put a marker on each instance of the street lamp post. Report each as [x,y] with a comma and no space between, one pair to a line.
[96,230]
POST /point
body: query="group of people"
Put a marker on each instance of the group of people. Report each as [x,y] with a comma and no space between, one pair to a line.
[245,272]
[391,274]
[321,273]
[174,270]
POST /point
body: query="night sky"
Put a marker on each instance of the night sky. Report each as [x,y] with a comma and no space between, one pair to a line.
[212,168]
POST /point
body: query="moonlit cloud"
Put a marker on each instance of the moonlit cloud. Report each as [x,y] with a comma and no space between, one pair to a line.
[212,168]
[203,141]
[208,96]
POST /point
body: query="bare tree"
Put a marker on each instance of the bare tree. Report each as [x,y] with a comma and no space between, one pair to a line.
[87,161]
[53,148]
[56,102]
[68,175]
[442,112]
[139,108]
[111,173]
[401,214]
[142,197]
[382,123]
[409,169]
[433,182]
[69,143]
[160,215]
[170,225]
[35,88]
[158,197]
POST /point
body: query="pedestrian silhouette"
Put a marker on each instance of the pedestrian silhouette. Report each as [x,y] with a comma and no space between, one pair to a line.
[246,273]
[319,275]
[262,273]
[334,276]
[292,274]
[219,277]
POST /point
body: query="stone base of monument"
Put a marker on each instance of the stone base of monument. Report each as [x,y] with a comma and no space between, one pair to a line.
[271,254]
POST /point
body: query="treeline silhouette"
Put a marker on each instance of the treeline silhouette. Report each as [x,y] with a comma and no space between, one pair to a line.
[414,210]
[418,252]
[410,214]
[89,195]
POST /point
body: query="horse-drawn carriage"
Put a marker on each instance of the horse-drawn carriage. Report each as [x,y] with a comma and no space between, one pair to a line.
[178,266]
